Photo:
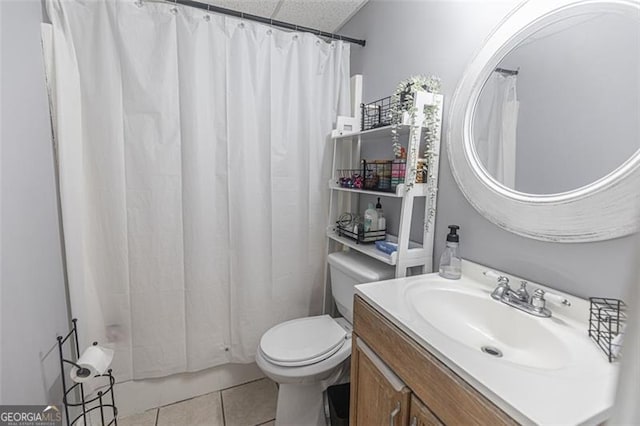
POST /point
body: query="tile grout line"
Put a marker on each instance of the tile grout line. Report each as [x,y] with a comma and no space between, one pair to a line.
[208,393]
[157,417]
[268,421]
[245,383]
[224,421]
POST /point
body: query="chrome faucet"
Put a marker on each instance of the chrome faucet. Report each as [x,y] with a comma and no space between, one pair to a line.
[520,299]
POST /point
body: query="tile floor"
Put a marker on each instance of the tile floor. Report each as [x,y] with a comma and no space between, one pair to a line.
[250,404]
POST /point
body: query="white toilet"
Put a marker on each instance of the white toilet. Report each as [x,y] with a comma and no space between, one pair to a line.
[307,355]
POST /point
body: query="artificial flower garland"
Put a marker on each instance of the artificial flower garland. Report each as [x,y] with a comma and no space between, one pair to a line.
[402,101]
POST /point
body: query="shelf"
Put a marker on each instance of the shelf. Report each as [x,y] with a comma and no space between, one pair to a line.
[368,249]
[415,251]
[347,145]
[341,133]
[419,190]
[379,131]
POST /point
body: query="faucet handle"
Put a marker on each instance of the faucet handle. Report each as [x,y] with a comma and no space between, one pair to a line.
[540,297]
[502,280]
[503,288]
[538,301]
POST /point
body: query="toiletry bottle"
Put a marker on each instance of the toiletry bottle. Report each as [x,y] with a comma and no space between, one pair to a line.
[450,262]
[370,219]
[382,223]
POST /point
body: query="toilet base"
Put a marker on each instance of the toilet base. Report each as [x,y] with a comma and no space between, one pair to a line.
[303,404]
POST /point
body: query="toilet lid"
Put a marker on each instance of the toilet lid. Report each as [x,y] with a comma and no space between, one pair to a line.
[302,341]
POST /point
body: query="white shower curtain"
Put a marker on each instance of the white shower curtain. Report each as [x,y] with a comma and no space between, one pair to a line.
[496,126]
[192,157]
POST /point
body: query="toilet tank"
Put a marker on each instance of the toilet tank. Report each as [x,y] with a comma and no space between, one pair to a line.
[348,268]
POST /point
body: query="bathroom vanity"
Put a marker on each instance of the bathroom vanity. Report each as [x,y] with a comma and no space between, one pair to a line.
[427,379]
[417,357]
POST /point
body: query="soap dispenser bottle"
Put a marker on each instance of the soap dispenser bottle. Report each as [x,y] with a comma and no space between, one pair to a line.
[382,222]
[450,262]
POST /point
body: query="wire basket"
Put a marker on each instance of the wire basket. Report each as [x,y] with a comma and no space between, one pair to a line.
[352,226]
[376,114]
[374,176]
[607,318]
[379,113]
[377,175]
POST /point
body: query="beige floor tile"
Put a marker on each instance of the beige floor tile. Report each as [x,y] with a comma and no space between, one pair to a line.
[148,418]
[251,404]
[205,410]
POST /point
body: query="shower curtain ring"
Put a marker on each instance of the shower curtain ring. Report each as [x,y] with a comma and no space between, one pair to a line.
[241,24]
[207,16]
[138,3]
[174,9]
[270,30]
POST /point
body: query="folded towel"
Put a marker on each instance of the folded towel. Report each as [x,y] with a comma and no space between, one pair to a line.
[386,246]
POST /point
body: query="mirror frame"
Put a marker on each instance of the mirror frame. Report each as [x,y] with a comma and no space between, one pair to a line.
[605,209]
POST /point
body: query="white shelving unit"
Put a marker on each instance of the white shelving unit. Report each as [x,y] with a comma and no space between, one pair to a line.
[347,142]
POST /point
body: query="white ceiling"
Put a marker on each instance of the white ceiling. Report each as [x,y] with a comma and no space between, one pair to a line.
[324,15]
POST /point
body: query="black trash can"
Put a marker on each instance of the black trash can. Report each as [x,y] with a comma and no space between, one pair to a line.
[339,404]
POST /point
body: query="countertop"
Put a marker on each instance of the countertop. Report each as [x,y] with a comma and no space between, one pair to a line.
[581,392]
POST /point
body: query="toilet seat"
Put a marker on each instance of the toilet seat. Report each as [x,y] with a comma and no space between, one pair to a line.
[302,341]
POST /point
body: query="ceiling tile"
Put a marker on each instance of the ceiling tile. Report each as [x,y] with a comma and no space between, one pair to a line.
[264,8]
[325,15]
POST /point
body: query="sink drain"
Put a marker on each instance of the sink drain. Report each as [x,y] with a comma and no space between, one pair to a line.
[492,351]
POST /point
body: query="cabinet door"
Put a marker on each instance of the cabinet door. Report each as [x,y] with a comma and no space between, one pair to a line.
[420,414]
[378,396]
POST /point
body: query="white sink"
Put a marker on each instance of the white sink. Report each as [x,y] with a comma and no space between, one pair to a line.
[473,318]
[550,371]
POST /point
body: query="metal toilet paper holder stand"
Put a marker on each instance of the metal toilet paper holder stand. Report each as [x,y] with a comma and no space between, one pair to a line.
[74,397]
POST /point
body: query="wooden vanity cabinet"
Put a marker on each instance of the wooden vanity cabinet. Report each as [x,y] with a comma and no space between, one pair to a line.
[420,415]
[385,359]
[380,396]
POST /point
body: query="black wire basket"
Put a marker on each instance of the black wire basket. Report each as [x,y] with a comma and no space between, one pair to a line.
[607,318]
[379,113]
[373,176]
[351,226]
[376,114]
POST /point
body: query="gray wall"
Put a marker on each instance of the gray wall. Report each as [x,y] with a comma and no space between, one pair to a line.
[33,304]
[441,37]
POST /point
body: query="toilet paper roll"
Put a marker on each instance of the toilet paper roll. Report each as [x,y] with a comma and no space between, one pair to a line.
[94,361]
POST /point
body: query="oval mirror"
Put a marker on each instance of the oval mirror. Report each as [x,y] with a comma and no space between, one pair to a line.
[560,110]
[544,133]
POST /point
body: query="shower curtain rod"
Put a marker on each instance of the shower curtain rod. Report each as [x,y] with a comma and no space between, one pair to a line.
[273,22]
[506,71]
